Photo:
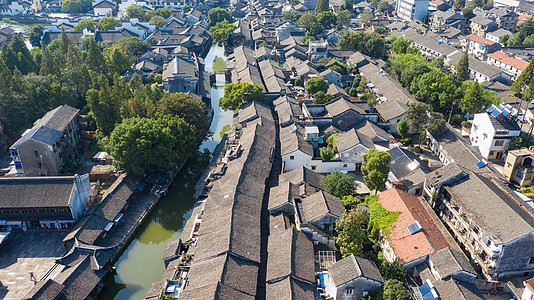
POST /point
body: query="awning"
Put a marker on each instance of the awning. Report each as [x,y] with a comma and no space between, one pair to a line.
[16,223]
[108,227]
[118,217]
[2,222]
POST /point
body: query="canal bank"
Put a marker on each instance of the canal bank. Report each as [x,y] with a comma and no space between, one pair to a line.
[140,264]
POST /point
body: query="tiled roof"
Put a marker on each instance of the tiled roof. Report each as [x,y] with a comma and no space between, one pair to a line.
[20,192]
[448,262]
[352,267]
[352,138]
[289,289]
[320,204]
[292,139]
[409,247]
[302,175]
[480,40]
[509,60]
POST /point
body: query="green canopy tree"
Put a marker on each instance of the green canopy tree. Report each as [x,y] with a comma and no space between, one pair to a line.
[352,231]
[316,84]
[309,22]
[321,98]
[402,128]
[163,12]
[375,169]
[94,60]
[35,35]
[327,19]
[139,144]
[158,21]
[219,14]
[134,45]
[348,5]
[462,69]
[117,59]
[338,184]
[395,290]
[392,270]
[343,17]
[135,11]
[108,23]
[85,24]
[240,93]
[476,98]
[187,107]
[400,45]
[416,115]
[221,32]
[436,124]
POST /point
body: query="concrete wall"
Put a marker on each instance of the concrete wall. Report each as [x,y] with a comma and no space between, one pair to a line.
[79,195]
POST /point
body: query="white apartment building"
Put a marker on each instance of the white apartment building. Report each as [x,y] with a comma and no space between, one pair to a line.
[412,9]
[493,130]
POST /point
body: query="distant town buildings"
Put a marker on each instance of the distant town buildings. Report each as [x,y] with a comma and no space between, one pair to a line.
[409,10]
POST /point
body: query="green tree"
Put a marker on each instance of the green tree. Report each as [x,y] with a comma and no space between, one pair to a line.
[367,43]
[186,9]
[117,59]
[366,17]
[75,6]
[240,93]
[134,45]
[139,144]
[400,45]
[219,14]
[352,231]
[103,105]
[402,128]
[343,17]
[327,19]
[327,153]
[321,98]
[476,98]
[189,108]
[85,24]
[436,89]
[322,6]
[349,202]
[35,35]
[462,69]
[529,41]
[392,270]
[135,12]
[310,23]
[108,23]
[338,184]
[416,115]
[94,60]
[395,290]
[221,32]
[504,39]
[315,85]
[158,21]
[436,124]
[16,55]
[163,12]
[375,169]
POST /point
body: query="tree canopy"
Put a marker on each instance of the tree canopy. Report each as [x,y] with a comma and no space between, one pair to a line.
[351,231]
[139,144]
[462,69]
[316,84]
[134,45]
[309,22]
[219,14]
[367,43]
[338,184]
[108,23]
[375,169]
[240,93]
[85,24]
[221,32]
[395,290]
[322,6]
[76,6]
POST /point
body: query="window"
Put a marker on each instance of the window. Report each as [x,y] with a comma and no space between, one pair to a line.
[349,291]
[344,165]
[36,153]
[531,260]
[499,142]
[313,168]
[292,157]
[491,153]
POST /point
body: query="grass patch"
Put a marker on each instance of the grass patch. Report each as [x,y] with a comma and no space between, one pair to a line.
[225,129]
[219,64]
[529,192]
[380,219]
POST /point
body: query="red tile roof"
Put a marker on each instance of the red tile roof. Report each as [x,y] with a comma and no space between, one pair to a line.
[524,17]
[436,2]
[478,39]
[530,283]
[409,247]
[509,60]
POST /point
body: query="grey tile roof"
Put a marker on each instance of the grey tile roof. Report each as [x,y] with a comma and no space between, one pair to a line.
[448,262]
[290,253]
[46,290]
[180,66]
[350,139]
[449,289]
[320,204]
[20,192]
[113,35]
[287,109]
[502,218]
[292,139]
[282,194]
[302,175]
[370,129]
[445,174]
[278,223]
[401,160]
[342,105]
[289,289]
[476,65]
[172,249]
[252,111]
[352,267]
[481,20]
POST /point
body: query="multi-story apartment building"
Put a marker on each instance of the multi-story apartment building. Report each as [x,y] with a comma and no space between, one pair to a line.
[480,47]
[510,65]
[49,144]
[486,218]
[410,10]
[519,167]
[491,133]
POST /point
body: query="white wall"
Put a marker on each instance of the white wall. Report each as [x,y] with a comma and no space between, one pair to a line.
[79,195]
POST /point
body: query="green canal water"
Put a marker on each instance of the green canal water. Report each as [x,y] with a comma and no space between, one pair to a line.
[140,264]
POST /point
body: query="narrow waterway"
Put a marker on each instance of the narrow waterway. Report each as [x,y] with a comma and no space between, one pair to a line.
[141,263]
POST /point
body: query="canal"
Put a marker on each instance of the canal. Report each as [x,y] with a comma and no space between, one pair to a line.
[140,264]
